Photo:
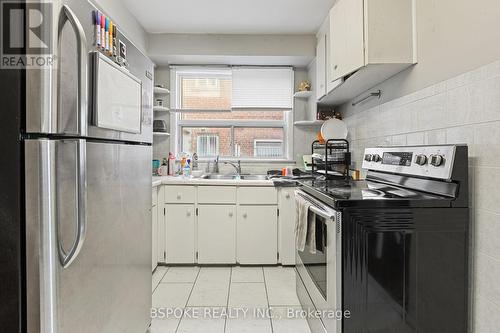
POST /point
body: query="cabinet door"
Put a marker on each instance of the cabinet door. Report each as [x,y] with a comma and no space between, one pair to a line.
[286,225]
[346,38]
[257,235]
[321,67]
[217,234]
[180,233]
[154,240]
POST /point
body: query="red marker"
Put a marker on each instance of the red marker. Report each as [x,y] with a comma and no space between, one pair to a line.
[103,31]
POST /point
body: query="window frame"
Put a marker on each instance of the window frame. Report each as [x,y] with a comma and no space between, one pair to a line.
[177,123]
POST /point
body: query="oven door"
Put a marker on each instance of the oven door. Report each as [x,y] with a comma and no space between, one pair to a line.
[320,268]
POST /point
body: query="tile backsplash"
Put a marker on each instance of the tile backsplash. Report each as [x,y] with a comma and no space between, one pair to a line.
[464,109]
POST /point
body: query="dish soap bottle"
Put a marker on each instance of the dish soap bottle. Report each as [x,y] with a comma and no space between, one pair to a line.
[187,168]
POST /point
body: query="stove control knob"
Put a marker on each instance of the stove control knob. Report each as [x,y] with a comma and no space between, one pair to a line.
[436,160]
[421,160]
[368,157]
[376,158]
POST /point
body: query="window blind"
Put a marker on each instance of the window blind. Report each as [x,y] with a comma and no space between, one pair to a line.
[263,88]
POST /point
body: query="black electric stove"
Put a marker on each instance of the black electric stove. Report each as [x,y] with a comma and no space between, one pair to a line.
[395,254]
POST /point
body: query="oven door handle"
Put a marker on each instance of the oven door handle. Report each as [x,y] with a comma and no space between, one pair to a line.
[318,207]
[322,213]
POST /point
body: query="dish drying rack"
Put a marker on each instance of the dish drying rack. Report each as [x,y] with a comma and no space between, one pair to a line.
[331,159]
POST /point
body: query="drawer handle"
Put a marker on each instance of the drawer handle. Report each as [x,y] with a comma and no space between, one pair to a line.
[230,214]
[335,67]
[178,196]
[287,196]
[188,214]
[245,215]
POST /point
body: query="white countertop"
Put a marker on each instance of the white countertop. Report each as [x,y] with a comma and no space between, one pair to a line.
[171,180]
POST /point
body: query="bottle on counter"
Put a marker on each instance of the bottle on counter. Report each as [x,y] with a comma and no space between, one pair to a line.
[171,164]
[186,171]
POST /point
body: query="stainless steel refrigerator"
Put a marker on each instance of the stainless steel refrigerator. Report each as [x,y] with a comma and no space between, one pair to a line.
[78,248]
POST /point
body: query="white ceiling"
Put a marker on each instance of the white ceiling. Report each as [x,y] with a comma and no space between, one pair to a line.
[230,16]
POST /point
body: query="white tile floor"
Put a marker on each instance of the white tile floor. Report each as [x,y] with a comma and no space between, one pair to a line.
[212,290]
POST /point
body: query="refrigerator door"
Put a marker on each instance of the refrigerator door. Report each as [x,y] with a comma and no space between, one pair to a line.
[67,109]
[106,285]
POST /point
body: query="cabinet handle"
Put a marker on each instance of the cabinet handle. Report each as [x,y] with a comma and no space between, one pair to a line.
[335,66]
[188,214]
[178,196]
[287,196]
[230,214]
[245,215]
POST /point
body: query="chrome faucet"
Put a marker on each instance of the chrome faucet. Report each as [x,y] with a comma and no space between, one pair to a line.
[216,165]
[236,166]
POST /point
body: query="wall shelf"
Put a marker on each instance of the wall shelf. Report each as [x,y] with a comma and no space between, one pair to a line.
[303,94]
[161,91]
[158,108]
[161,134]
[310,123]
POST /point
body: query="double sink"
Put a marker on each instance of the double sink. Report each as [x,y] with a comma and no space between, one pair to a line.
[235,176]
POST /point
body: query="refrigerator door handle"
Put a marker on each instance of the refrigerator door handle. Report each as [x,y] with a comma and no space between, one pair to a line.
[81,210]
[67,15]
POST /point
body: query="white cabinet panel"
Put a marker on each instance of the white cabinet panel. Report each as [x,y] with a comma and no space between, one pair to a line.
[257,235]
[321,67]
[216,234]
[217,194]
[180,233]
[180,194]
[286,225]
[346,38]
[154,238]
[161,225]
[257,196]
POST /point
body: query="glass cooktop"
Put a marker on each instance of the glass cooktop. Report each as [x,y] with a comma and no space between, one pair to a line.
[342,191]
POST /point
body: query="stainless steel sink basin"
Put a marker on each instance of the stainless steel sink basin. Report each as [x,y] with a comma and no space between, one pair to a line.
[254,177]
[230,177]
[217,176]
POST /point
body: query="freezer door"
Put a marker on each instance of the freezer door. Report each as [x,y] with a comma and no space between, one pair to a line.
[60,101]
[106,286]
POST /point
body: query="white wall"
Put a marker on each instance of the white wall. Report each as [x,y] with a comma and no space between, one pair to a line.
[231,49]
[126,21]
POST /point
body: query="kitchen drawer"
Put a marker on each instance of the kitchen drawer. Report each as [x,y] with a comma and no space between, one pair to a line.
[216,194]
[180,194]
[154,195]
[257,196]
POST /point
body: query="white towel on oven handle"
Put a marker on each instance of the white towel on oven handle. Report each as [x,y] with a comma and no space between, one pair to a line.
[301,221]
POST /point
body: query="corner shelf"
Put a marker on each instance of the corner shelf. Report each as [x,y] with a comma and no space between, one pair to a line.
[161,134]
[303,94]
[161,91]
[158,108]
[309,123]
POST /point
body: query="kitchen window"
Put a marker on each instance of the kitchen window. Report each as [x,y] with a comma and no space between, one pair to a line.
[232,112]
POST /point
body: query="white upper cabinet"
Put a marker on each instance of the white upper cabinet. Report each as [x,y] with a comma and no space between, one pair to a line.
[347,40]
[367,41]
[321,66]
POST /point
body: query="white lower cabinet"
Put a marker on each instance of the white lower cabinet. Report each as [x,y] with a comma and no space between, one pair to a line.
[286,225]
[226,225]
[216,234]
[257,235]
[181,233]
